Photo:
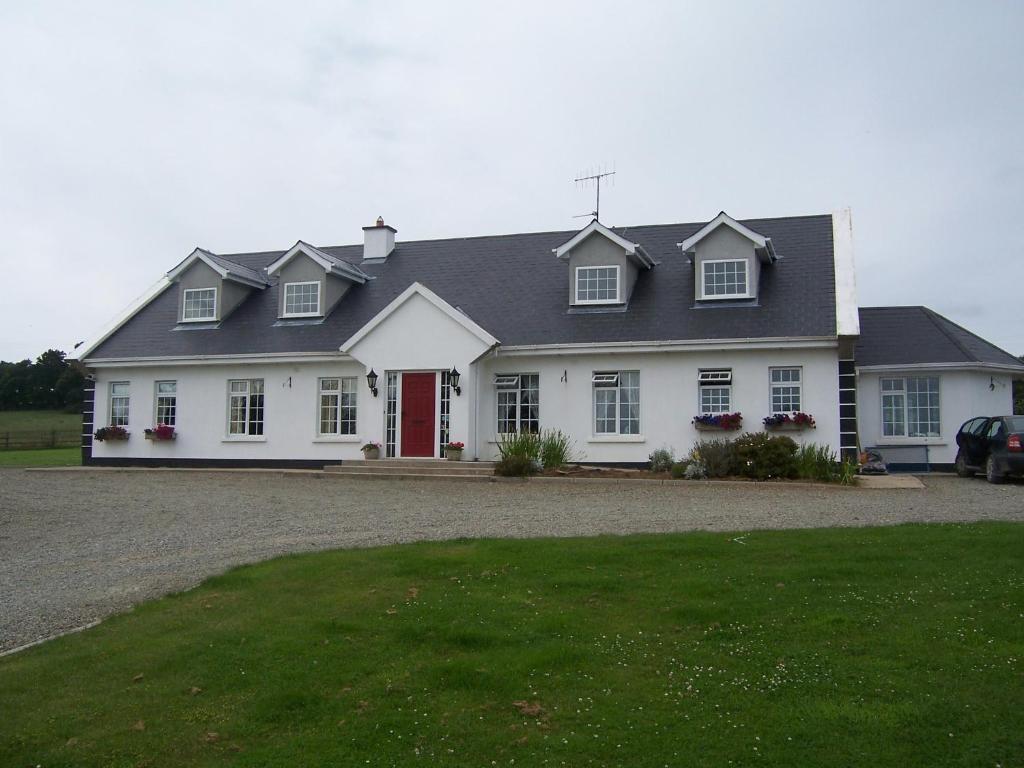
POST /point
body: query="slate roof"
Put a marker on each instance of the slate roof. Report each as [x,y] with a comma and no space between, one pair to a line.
[233,268]
[515,288]
[915,335]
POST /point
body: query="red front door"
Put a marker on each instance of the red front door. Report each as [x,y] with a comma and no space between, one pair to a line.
[418,414]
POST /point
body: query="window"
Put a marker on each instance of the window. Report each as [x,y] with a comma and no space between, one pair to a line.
[725,279]
[597,285]
[119,403]
[518,398]
[391,415]
[301,299]
[785,389]
[338,406]
[167,402]
[245,407]
[199,304]
[616,403]
[910,406]
[715,390]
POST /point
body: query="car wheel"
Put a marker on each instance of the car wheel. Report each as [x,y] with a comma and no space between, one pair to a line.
[992,471]
[961,466]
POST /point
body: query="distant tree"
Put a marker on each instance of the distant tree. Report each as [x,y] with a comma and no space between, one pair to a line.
[1018,393]
[51,382]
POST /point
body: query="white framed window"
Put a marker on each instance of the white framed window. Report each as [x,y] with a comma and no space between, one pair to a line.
[199,304]
[302,299]
[724,279]
[245,407]
[338,406]
[166,399]
[786,389]
[910,406]
[597,285]
[616,402]
[715,387]
[518,401]
[118,403]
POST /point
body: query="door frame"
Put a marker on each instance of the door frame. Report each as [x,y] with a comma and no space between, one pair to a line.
[398,412]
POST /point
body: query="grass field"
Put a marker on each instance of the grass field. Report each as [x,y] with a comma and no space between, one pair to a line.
[16,421]
[857,647]
[42,457]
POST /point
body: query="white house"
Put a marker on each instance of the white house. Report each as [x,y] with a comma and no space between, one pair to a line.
[619,337]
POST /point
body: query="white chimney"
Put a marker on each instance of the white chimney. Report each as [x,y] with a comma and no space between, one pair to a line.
[378,240]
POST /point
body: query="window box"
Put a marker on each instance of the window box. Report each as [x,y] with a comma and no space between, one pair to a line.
[784,422]
[111,434]
[161,433]
[718,422]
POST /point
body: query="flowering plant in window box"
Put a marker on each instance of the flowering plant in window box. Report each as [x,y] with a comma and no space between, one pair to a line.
[453,451]
[722,422]
[371,450]
[161,432]
[111,433]
[795,422]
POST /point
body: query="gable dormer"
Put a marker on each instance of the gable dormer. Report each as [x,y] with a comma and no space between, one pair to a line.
[727,259]
[312,281]
[603,266]
[211,287]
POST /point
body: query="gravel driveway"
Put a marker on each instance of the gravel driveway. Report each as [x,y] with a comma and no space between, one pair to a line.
[78,546]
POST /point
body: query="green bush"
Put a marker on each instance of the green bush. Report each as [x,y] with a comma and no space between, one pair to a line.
[556,449]
[679,469]
[716,456]
[515,466]
[662,460]
[817,462]
[761,456]
[524,445]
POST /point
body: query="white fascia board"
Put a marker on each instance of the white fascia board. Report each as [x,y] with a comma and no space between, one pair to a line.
[847,311]
[724,219]
[700,345]
[976,367]
[632,249]
[197,255]
[130,311]
[248,359]
[305,249]
[420,289]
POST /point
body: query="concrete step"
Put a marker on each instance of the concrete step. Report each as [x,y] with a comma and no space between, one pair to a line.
[390,469]
[414,463]
[411,474]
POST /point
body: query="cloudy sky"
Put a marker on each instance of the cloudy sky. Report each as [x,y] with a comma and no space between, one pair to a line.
[130,133]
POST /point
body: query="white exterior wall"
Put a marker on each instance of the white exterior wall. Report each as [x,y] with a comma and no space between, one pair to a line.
[668,396]
[962,394]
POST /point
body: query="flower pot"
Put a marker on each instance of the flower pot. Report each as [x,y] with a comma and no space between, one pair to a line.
[371,453]
[453,454]
[700,426]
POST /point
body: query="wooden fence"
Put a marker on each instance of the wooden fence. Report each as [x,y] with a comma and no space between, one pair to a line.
[27,439]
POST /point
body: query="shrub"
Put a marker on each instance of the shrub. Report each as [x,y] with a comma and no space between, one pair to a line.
[515,466]
[695,470]
[662,460]
[716,456]
[816,462]
[556,449]
[679,469]
[520,444]
[761,456]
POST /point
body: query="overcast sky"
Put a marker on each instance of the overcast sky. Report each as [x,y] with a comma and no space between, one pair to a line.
[130,133]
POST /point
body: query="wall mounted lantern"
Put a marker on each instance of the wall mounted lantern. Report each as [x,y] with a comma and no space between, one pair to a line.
[371,381]
[453,379]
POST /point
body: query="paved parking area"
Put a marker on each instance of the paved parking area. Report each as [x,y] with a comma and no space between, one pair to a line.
[78,546]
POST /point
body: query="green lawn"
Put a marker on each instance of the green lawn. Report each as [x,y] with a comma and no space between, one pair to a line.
[42,457]
[16,421]
[861,647]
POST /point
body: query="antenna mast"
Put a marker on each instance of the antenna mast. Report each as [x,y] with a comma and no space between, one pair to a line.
[597,178]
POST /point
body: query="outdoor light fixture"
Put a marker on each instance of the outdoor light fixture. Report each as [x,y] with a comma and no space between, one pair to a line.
[453,379]
[371,381]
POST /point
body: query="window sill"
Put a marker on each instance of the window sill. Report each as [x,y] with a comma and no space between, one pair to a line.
[911,441]
[337,439]
[300,316]
[245,439]
[616,439]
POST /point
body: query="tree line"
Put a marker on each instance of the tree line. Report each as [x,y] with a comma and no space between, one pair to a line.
[48,383]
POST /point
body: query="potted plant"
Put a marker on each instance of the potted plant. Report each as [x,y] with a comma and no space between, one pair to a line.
[161,432]
[718,422]
[453,451]
[784,422]
[112,434]
[371,451]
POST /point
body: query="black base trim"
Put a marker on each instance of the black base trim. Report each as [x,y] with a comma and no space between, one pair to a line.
[920,467]
[130,461]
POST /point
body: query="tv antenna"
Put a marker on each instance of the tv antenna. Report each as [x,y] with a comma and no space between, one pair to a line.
[597,178]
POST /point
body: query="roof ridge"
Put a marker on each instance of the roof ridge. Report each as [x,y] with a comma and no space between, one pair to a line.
[933,315]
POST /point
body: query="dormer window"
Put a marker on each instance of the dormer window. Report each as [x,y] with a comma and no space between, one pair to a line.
[302,299]
[597,285]
[199,304]
[725,279]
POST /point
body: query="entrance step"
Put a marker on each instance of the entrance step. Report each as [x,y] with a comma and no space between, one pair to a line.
[417,468]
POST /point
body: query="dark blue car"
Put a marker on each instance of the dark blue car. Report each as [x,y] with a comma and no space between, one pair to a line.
[991,444]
